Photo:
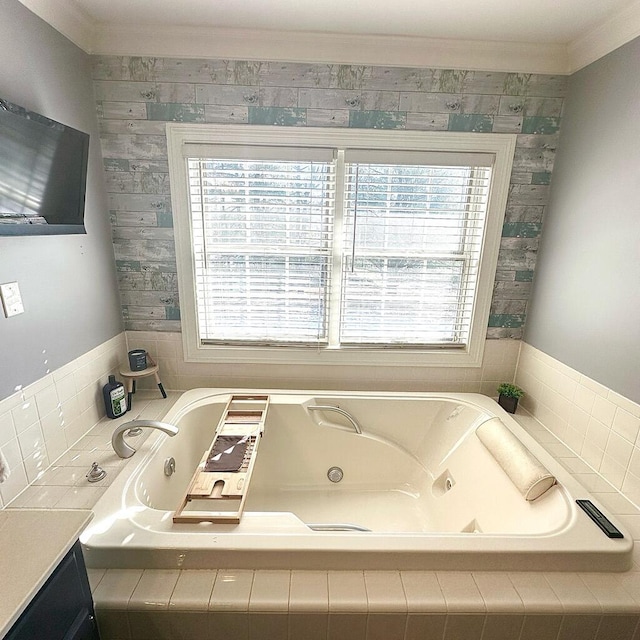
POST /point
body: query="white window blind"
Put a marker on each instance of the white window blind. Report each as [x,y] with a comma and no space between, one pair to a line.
[412,248]
[262,244]
[408,258]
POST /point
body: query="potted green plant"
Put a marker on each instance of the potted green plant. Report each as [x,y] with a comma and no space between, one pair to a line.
[508,396]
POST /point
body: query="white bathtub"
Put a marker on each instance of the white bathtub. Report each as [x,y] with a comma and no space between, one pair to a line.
[418,479]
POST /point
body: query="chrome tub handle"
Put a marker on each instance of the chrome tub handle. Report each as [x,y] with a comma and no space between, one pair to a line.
[342,412]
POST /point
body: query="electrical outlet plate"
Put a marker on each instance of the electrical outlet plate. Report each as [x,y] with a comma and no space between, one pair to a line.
[11,299]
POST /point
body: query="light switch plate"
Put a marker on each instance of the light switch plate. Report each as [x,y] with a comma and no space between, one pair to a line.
[11,299]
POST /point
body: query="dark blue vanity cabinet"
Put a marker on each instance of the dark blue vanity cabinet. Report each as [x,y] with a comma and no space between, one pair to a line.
[63,608]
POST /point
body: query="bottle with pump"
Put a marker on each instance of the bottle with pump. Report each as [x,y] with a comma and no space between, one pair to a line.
[115,398]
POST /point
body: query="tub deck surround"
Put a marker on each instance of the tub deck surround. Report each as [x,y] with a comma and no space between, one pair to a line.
[41,421]
[64,484]
[499,364]
[442,605]
[598,424]
[418,478]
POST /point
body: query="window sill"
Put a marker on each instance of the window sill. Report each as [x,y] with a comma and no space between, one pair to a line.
[443,357]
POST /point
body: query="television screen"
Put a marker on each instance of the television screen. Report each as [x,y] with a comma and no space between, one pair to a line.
[43,174]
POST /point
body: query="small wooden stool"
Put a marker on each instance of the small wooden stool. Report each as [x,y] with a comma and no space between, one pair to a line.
[130,378]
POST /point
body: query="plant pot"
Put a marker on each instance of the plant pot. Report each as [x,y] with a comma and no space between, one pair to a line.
[508,403]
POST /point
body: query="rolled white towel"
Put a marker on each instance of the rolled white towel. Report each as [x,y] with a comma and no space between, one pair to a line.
[526,472]
[5,472]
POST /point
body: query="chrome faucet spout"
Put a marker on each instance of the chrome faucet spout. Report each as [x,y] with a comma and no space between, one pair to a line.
[123,449]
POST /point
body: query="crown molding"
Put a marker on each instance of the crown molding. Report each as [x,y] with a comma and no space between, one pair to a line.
[245,44]
[605,38]
[67,18]
[290,46]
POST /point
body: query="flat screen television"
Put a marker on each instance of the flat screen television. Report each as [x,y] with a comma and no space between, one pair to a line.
[43,174]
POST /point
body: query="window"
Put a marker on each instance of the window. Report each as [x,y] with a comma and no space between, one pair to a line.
[262,244]
[336,246]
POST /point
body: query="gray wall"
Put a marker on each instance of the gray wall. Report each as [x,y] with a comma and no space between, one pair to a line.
[68,283]
[585,308]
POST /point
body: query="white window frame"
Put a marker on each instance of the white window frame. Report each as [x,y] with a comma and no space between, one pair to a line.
[500,146]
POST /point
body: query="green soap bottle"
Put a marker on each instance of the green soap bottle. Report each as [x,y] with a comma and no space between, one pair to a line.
[115,398]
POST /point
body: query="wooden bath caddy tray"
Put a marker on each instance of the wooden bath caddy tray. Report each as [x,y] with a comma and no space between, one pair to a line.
[224,473]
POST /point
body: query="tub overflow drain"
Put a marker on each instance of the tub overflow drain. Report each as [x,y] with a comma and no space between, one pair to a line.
[335,474]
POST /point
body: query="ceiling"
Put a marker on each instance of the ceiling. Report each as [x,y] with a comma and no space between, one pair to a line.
[555,36]
[520,21]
